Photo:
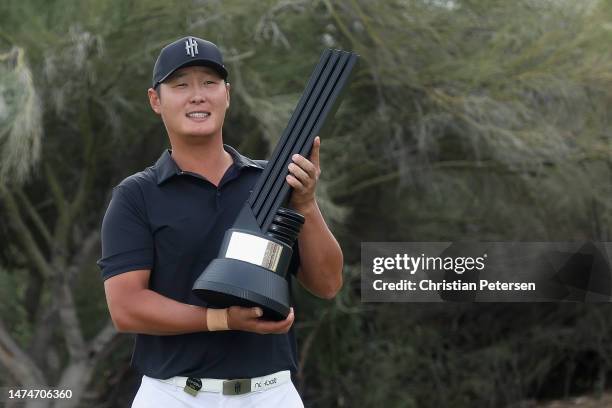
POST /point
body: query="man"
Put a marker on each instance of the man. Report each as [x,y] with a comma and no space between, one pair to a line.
[165,224]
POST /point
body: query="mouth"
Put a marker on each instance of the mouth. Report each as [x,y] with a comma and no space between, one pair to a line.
[198,115]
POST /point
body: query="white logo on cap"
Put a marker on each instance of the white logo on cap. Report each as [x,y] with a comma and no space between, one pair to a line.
[191,46]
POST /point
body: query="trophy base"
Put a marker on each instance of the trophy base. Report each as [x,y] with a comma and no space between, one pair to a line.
[224,283]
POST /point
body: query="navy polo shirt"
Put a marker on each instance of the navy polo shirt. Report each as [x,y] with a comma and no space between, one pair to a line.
[173,223]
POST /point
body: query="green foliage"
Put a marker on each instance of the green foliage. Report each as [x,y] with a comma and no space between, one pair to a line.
[483,112]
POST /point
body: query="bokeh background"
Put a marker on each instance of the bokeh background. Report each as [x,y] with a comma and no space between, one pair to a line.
[482,120]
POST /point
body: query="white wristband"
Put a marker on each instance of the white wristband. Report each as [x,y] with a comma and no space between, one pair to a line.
[216,319]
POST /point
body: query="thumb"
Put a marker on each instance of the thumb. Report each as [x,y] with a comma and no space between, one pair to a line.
[257,312]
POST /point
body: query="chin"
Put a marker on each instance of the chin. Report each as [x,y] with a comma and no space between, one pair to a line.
[199,134]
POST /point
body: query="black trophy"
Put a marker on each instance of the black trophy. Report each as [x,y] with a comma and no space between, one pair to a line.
[255,254]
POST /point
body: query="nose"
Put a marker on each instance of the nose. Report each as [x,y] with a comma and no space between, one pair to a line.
[199,96]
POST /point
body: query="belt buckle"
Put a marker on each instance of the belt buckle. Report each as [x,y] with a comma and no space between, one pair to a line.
[237,387]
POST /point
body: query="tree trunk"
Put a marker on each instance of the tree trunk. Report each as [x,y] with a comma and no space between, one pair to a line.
[76,377]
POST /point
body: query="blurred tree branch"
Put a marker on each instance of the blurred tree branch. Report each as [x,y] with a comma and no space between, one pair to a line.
[23,233]
[17,362]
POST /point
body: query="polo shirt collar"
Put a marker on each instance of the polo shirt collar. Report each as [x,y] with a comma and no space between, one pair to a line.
[167,167]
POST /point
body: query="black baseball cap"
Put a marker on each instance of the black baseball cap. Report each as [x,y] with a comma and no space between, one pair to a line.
[185,52]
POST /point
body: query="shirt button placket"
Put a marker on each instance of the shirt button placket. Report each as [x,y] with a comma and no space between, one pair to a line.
[218,199]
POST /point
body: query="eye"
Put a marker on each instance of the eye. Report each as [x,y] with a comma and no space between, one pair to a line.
[180,85]
[209,82]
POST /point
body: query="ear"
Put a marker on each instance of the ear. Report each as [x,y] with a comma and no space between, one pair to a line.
[227,92]
[154,100]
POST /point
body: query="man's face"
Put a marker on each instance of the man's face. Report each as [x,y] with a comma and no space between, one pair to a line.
[192,102]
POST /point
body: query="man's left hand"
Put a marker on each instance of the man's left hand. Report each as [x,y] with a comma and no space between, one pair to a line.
[303,177]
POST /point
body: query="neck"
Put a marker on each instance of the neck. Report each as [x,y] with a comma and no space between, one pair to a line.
[206,158]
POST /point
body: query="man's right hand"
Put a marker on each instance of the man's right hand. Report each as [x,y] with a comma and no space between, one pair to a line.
[248,319]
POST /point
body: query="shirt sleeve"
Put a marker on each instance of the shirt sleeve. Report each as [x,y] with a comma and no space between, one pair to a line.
[127,241]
